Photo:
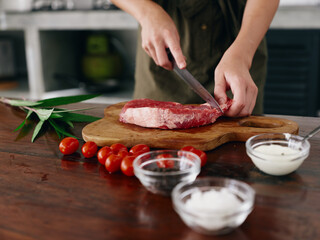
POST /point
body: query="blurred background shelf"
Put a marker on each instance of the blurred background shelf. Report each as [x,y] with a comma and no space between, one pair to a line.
[69,20]
[14,88]
[54,43]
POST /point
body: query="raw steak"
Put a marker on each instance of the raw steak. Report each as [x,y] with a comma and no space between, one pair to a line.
[169,115]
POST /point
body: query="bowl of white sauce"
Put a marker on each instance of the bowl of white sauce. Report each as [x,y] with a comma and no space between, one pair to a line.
[277,153]
[213,205]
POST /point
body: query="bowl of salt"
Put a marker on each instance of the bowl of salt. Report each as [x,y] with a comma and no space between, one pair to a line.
[212,205]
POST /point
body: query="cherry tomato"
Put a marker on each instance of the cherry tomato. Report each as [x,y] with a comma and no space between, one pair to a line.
[139,149]
[113,163]
[188,148]
[103,154]
[201,154]
[89,149]
[68,145]
[116,147]
[122,153]
[127,165]
[164,162]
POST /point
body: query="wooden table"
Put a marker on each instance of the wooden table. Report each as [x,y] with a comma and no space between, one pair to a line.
[44,195]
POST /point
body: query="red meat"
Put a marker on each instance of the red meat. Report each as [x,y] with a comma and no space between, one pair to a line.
[169,115]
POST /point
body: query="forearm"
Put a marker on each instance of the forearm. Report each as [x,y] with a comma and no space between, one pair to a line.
[141,10]
[158,31]
[256,20]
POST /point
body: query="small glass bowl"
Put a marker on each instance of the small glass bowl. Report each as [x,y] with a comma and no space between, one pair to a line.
[214,219]
[283,152]
[160,171]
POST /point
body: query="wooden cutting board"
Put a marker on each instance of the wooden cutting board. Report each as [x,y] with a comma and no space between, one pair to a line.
[109,130]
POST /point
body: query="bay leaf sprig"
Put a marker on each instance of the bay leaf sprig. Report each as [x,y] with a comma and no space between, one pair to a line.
[46,112]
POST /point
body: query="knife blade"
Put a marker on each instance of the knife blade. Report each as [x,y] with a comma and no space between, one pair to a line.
[194,84]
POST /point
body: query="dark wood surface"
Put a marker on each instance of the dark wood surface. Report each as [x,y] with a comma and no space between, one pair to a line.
[44,195]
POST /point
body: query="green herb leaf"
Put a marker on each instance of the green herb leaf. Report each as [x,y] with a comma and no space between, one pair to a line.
[21,125]
[25,130]
[21,103]
[29,114]
[62,110]
[65,100]
[77,117]
[24,121]
[59,129]
[58,133]
[44,114]
[69,123]
[37,130]
[56,115]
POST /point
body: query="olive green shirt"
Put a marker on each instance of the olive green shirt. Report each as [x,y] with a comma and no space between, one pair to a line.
[207,28]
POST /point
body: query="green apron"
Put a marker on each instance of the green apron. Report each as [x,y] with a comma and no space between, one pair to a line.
[207,28]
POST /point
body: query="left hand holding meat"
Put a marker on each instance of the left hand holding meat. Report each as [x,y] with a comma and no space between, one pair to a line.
[232,73]
[233,70]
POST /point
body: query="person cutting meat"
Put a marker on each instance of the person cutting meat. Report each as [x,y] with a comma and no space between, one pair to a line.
[221,42]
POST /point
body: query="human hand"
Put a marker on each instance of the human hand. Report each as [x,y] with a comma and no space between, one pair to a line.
[159,33]
[232,73]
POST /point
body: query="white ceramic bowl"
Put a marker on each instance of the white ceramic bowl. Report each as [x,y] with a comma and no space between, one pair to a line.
[213,217]
[277,153]
[160,171]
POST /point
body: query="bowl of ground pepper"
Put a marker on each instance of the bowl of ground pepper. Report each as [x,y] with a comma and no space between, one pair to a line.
[160,171]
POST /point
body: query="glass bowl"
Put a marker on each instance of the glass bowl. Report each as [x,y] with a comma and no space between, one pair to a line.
[212,205]
[277,153]
[159,171]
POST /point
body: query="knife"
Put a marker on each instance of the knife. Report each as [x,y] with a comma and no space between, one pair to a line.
[193,83]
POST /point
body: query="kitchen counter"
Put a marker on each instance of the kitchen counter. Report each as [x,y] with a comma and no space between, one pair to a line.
[297,17]
[45,195]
